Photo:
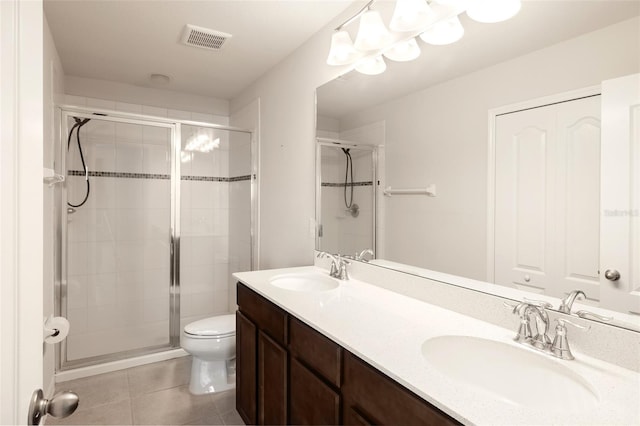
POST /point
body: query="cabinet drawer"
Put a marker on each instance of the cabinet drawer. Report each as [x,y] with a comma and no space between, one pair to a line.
[267,316]
[376,399]
[311,400]
[315,350]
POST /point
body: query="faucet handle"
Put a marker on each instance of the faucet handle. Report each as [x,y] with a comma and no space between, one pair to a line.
[560,346]
[539,303]
[342,273]
[524,333]
[593,315]
[517,308]
[511,306]
[563,322]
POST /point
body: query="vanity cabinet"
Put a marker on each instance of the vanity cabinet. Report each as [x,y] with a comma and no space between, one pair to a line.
[315,376]
[272,381]
[371,398]
[289,373]
[261,360]
[246,368]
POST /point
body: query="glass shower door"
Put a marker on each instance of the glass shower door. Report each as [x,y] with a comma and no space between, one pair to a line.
[118,237]
[215,216]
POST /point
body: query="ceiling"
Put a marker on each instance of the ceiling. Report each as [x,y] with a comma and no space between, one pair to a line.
[126,41]
[539,24]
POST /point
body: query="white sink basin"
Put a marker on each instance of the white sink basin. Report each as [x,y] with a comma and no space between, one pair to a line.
[308,281]
[512,374]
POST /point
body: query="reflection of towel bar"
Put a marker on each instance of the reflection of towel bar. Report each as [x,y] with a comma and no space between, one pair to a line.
[430,190]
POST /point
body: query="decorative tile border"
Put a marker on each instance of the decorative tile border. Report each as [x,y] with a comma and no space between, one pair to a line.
[159,176]
[342,185]
[120,175]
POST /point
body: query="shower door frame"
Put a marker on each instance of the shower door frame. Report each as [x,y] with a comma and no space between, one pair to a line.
[60,279]
[339,143]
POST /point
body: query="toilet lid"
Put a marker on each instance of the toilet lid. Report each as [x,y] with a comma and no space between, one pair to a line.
[218,326]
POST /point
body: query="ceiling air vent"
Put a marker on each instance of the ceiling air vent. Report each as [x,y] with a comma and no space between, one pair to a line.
[204,37]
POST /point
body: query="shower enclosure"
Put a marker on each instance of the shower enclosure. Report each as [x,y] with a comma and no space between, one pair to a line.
[166,219]
[346,182]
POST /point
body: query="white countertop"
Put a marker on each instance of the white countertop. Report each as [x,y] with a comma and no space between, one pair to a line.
[387,330]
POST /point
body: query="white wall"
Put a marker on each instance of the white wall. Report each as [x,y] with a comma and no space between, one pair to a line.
[153,97]
[53,88]
[444,141]
[287,149]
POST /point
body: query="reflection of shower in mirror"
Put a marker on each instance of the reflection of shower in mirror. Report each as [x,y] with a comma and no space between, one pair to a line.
[346,174]
[352,208]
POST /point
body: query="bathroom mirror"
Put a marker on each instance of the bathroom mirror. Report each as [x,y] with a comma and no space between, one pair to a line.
[346,190]
[431,118]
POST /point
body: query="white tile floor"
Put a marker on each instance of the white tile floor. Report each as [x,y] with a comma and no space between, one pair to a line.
[152,394]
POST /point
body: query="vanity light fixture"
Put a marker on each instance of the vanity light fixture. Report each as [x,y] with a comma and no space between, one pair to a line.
[202,142]
[372,35]
[371,66]
[434,21]
[491,11]
[411,15]
[403,51]
[342,51]
[443,32]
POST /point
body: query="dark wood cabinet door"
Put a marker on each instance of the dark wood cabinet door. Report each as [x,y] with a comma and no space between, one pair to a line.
[376,399]
[272,381]
[311,400]
[353,417]
[246,364]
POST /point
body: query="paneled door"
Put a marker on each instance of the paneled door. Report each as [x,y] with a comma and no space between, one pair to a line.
[547,198]
[21,208]
[620,223]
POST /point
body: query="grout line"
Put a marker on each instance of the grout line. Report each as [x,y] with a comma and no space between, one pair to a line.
[126,371]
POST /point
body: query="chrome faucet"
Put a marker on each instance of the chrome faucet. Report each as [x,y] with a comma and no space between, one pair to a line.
[338,265]
[525,311]
[541,341]
[364,252]
[567,302]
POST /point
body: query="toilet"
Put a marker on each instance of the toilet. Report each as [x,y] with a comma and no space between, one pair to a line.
[212,344]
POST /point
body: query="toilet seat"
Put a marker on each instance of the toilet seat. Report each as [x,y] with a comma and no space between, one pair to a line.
[212,328]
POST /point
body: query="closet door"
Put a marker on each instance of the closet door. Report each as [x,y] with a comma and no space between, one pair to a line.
[576,203]
[524,170]
[547,198]
[620,241]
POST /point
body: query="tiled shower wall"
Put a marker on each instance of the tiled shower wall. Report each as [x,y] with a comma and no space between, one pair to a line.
[342,233]
[118,242]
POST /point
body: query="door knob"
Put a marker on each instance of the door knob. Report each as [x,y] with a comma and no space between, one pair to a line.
[62,404]
[612,275]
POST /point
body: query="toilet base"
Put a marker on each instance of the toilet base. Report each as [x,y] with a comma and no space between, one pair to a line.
[212,376]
